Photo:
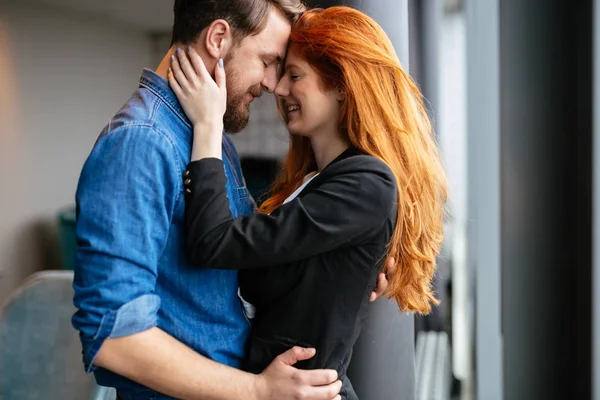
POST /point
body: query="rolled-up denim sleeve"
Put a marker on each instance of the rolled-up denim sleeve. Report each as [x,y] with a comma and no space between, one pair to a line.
[126,196]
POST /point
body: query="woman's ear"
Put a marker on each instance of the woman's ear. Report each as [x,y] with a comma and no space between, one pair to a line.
[219,38]
[341,95]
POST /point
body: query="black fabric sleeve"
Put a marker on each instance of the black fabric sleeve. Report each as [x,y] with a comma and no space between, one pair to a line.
[347,208]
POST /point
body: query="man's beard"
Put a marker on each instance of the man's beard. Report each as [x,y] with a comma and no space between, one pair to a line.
[237,113]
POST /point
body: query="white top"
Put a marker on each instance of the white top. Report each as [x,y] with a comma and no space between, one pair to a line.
[307,180]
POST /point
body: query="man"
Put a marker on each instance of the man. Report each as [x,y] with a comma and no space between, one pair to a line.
[151,325]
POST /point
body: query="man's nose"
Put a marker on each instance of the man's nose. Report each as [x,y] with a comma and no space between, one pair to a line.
[266,88]
[270,81]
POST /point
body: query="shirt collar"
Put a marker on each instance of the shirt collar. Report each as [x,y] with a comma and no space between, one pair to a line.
[349,152]
[160,87]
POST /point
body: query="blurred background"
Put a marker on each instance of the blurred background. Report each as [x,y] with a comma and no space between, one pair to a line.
[511,86]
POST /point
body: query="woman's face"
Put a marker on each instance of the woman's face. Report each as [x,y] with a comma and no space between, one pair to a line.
[308,108]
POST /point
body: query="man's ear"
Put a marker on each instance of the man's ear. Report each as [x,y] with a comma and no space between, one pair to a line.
[219,38]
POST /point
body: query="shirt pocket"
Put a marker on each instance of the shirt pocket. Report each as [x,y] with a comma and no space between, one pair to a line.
[242,193]
[243,201]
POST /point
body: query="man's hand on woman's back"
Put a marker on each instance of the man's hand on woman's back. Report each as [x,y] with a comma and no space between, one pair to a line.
[281,381]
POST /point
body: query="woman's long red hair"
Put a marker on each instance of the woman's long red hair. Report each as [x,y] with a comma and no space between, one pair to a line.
[383,115]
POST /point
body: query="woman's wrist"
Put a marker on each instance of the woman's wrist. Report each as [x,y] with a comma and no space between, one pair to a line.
[207,142]
[216,125]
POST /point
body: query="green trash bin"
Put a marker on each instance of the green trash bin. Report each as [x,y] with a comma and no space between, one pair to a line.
[68,242]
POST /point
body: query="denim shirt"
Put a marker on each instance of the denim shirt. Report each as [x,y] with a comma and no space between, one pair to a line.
[131,272]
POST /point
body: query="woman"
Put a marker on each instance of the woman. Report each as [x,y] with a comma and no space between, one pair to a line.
[362,181]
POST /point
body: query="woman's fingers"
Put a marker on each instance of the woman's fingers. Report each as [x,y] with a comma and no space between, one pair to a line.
[186,66]
[179,75]
[174,84]
[198,64]
[220,78]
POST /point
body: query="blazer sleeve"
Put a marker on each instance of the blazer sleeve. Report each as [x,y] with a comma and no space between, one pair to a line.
[347,208]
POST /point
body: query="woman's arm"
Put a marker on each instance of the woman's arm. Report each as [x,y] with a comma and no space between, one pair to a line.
[344,210]
[204,101]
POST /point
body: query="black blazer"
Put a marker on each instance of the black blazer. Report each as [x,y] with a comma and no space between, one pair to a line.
[310,266]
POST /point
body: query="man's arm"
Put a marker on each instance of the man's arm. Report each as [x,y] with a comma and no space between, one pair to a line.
[127,192]
[157,360]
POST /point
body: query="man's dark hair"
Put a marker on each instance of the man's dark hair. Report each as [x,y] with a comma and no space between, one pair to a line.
[246,17]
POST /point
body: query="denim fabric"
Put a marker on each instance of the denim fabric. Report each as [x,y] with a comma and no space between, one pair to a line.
[131,272]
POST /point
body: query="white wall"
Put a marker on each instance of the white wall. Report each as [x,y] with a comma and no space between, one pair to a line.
[62,76]
[266,135]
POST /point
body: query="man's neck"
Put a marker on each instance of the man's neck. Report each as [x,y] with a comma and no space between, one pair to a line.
[165,64]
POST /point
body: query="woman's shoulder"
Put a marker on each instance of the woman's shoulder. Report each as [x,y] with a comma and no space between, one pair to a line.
[365,175]
[362,165]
